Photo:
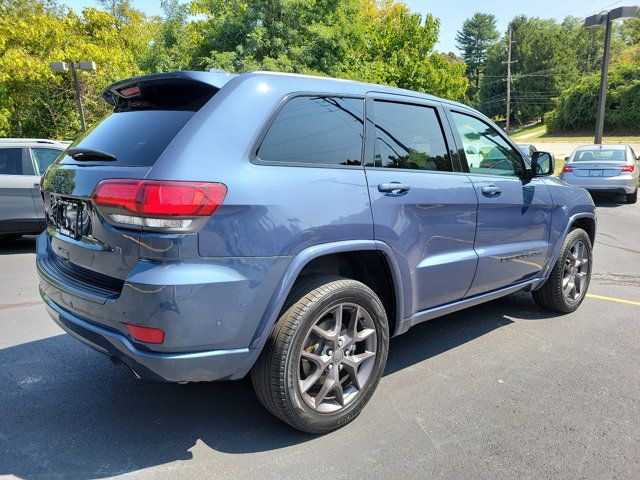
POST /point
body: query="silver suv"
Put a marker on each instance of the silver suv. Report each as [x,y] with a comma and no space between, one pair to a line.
[22,162]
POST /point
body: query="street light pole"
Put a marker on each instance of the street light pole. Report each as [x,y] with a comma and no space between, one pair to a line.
[76,86]
[75,66]
[595,21]
[602,97]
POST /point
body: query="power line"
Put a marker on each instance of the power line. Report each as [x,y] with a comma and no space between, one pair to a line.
[574,9]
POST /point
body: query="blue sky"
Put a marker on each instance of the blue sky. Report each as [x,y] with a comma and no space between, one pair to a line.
[453,12]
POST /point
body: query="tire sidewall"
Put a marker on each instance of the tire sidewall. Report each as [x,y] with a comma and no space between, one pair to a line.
[325,422]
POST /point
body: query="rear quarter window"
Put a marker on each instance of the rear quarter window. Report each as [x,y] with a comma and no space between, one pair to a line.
[312,130]
[10,161]
[42,158]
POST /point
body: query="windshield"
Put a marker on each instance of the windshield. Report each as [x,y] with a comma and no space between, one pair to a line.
[599,155]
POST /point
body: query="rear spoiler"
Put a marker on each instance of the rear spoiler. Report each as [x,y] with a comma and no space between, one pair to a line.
[132,87]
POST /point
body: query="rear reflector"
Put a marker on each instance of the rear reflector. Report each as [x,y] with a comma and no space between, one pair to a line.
[158,204]
[567,169]
[146,334]
[628,168]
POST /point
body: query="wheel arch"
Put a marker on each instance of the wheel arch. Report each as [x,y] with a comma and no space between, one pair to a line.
[577,220]
[312,257]
[587,223]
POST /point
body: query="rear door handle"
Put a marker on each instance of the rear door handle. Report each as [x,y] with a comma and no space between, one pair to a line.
[393,187]
[490,191]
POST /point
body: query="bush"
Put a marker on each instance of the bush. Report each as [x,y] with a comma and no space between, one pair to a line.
[577,106]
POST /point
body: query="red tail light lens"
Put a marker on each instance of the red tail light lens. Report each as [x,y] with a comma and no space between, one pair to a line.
[567,169]
[146,334]
[628,168]
[158,204]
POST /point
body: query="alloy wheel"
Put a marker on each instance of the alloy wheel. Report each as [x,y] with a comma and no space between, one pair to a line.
[337,357]
[576,271]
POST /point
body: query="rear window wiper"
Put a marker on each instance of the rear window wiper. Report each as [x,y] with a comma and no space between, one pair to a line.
[88,154]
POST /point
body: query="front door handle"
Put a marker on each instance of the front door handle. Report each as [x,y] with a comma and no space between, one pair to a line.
[393,187]
[490,191]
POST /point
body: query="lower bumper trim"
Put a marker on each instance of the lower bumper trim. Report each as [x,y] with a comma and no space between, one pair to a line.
[201,366]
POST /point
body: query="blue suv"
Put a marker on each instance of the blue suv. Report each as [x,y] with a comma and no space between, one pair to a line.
[287,226]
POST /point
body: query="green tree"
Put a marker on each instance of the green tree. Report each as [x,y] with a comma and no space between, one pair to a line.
[394,46]
[478,33]
[34,101]
[545,64]
[367,40]
[175,40]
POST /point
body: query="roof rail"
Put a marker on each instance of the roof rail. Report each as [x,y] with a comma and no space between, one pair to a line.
[30,140]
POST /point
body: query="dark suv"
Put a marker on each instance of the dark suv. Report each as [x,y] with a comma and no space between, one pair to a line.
[287,226]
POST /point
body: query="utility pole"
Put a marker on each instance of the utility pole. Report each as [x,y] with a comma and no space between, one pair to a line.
[509,62]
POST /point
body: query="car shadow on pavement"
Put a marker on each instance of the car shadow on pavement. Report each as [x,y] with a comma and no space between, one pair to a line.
[26,244]
[68,412]
[603,200]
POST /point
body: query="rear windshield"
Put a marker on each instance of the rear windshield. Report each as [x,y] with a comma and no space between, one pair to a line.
[143,125]
[599,155]
[134,138]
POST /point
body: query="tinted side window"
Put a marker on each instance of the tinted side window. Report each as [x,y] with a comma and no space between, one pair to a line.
[42,158]
[486,151]
[409,136]
[317,131]
[10,161]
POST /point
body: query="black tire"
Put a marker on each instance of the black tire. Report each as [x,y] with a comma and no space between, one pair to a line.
[551,294]
[632,197]
[276,376]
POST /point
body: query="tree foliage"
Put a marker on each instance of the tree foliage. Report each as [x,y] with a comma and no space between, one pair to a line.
[371,40]
[478,33]
[545,64]
[577,105]
[34,101]
[550,57]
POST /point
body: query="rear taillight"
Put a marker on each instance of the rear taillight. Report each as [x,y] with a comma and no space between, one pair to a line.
[567,169]
[628,168]
[158,204]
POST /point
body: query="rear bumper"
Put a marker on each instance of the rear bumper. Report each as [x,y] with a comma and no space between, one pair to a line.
[621,184]
[170,367]
[209,309]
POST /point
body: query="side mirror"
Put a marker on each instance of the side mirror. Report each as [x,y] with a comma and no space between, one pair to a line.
[542,164]
[566,159]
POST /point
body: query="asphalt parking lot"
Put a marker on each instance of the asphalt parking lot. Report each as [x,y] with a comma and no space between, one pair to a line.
[504,390]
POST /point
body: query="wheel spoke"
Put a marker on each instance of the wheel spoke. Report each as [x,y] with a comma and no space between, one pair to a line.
[580,279]
[337,316]
[329,383]
[317,360]
[327,335]
[352,370]
[569,287]
[365,333]
[308,382]
[338,392]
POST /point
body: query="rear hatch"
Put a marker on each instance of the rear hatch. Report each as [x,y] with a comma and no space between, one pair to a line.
[86,241]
